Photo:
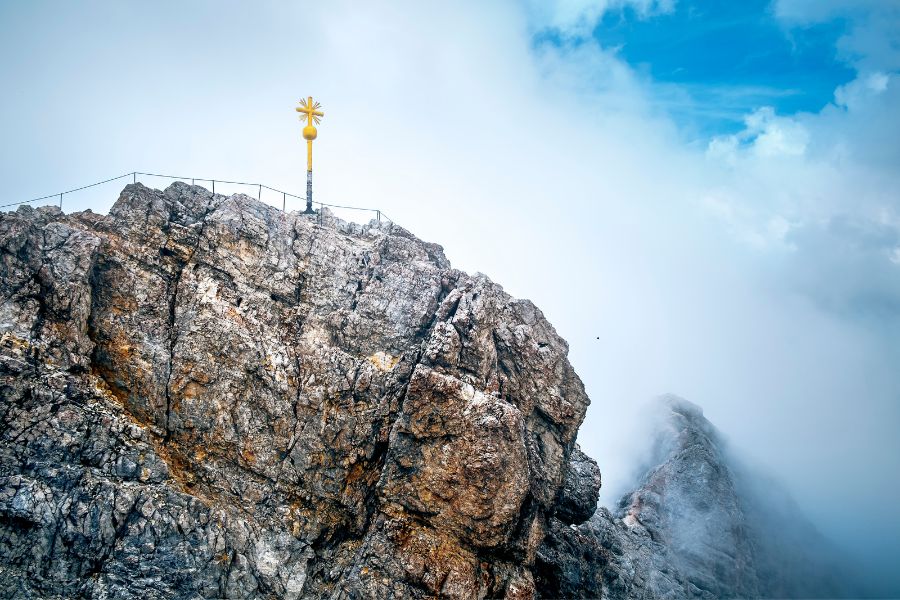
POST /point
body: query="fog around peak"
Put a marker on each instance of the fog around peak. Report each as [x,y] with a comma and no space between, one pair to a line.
[731,240]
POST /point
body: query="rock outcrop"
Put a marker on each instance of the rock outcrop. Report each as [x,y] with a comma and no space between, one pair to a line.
[203,396]
[699,525]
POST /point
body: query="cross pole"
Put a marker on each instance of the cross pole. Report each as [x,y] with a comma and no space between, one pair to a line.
[310,109]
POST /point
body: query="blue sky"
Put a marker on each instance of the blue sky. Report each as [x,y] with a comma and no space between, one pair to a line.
[713,62]
[712,194]
[730,57]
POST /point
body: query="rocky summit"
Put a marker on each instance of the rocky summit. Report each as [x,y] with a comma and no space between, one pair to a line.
[205,397]
[700,524]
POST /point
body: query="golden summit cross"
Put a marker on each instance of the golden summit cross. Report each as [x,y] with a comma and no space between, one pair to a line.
[310,109]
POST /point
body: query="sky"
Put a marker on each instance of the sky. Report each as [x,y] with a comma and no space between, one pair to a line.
[701,196]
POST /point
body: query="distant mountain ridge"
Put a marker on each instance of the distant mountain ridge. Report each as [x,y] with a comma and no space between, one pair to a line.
[698,525]
[203,396]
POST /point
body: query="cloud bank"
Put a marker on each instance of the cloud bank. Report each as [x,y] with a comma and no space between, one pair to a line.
[753,272]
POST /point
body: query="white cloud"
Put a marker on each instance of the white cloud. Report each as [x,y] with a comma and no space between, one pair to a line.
[895,255]
[858,91]
[765,135]
[728,273]
[872,38]
[773,136]
[577,18]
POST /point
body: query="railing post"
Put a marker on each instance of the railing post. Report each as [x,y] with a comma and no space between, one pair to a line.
[134,177]
[60,201]
[214,187]
[283,201]
[378,212]
[260,193]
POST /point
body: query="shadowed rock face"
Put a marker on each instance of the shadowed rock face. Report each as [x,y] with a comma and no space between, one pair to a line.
[205,397]
[699,525]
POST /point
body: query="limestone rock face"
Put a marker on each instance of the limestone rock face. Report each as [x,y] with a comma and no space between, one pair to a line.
[699,525]
[578,500]
[204,397]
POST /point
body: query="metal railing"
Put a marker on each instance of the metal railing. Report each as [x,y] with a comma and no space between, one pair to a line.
[259,186]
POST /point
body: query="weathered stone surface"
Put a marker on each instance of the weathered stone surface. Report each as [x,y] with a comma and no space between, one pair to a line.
[581,488]
[699,525]
[205,397]
[602,558]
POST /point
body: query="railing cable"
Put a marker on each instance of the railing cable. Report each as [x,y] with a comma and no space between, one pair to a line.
[379,214]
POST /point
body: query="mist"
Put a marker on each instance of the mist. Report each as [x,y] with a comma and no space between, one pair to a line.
[742,511]
[753,272]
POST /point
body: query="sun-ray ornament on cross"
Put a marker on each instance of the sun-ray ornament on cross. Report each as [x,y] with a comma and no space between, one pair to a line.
[313,116]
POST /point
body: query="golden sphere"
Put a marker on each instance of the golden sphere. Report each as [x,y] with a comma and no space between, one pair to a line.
[309,132]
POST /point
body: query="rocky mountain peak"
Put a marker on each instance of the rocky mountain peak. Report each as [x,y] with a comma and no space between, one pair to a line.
[203,396]
[689,504]
[699,524]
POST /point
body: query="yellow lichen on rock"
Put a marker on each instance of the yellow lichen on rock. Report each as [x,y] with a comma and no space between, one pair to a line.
[384,361]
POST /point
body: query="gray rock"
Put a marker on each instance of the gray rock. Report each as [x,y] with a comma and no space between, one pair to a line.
[581,488]
[699,525]
[204,397]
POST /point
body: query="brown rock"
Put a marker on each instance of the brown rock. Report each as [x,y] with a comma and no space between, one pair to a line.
[204,396]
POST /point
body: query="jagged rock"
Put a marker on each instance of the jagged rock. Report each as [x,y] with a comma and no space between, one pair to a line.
[690,503]
[581,488]
[203,396]
[602,558]
[699,525]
